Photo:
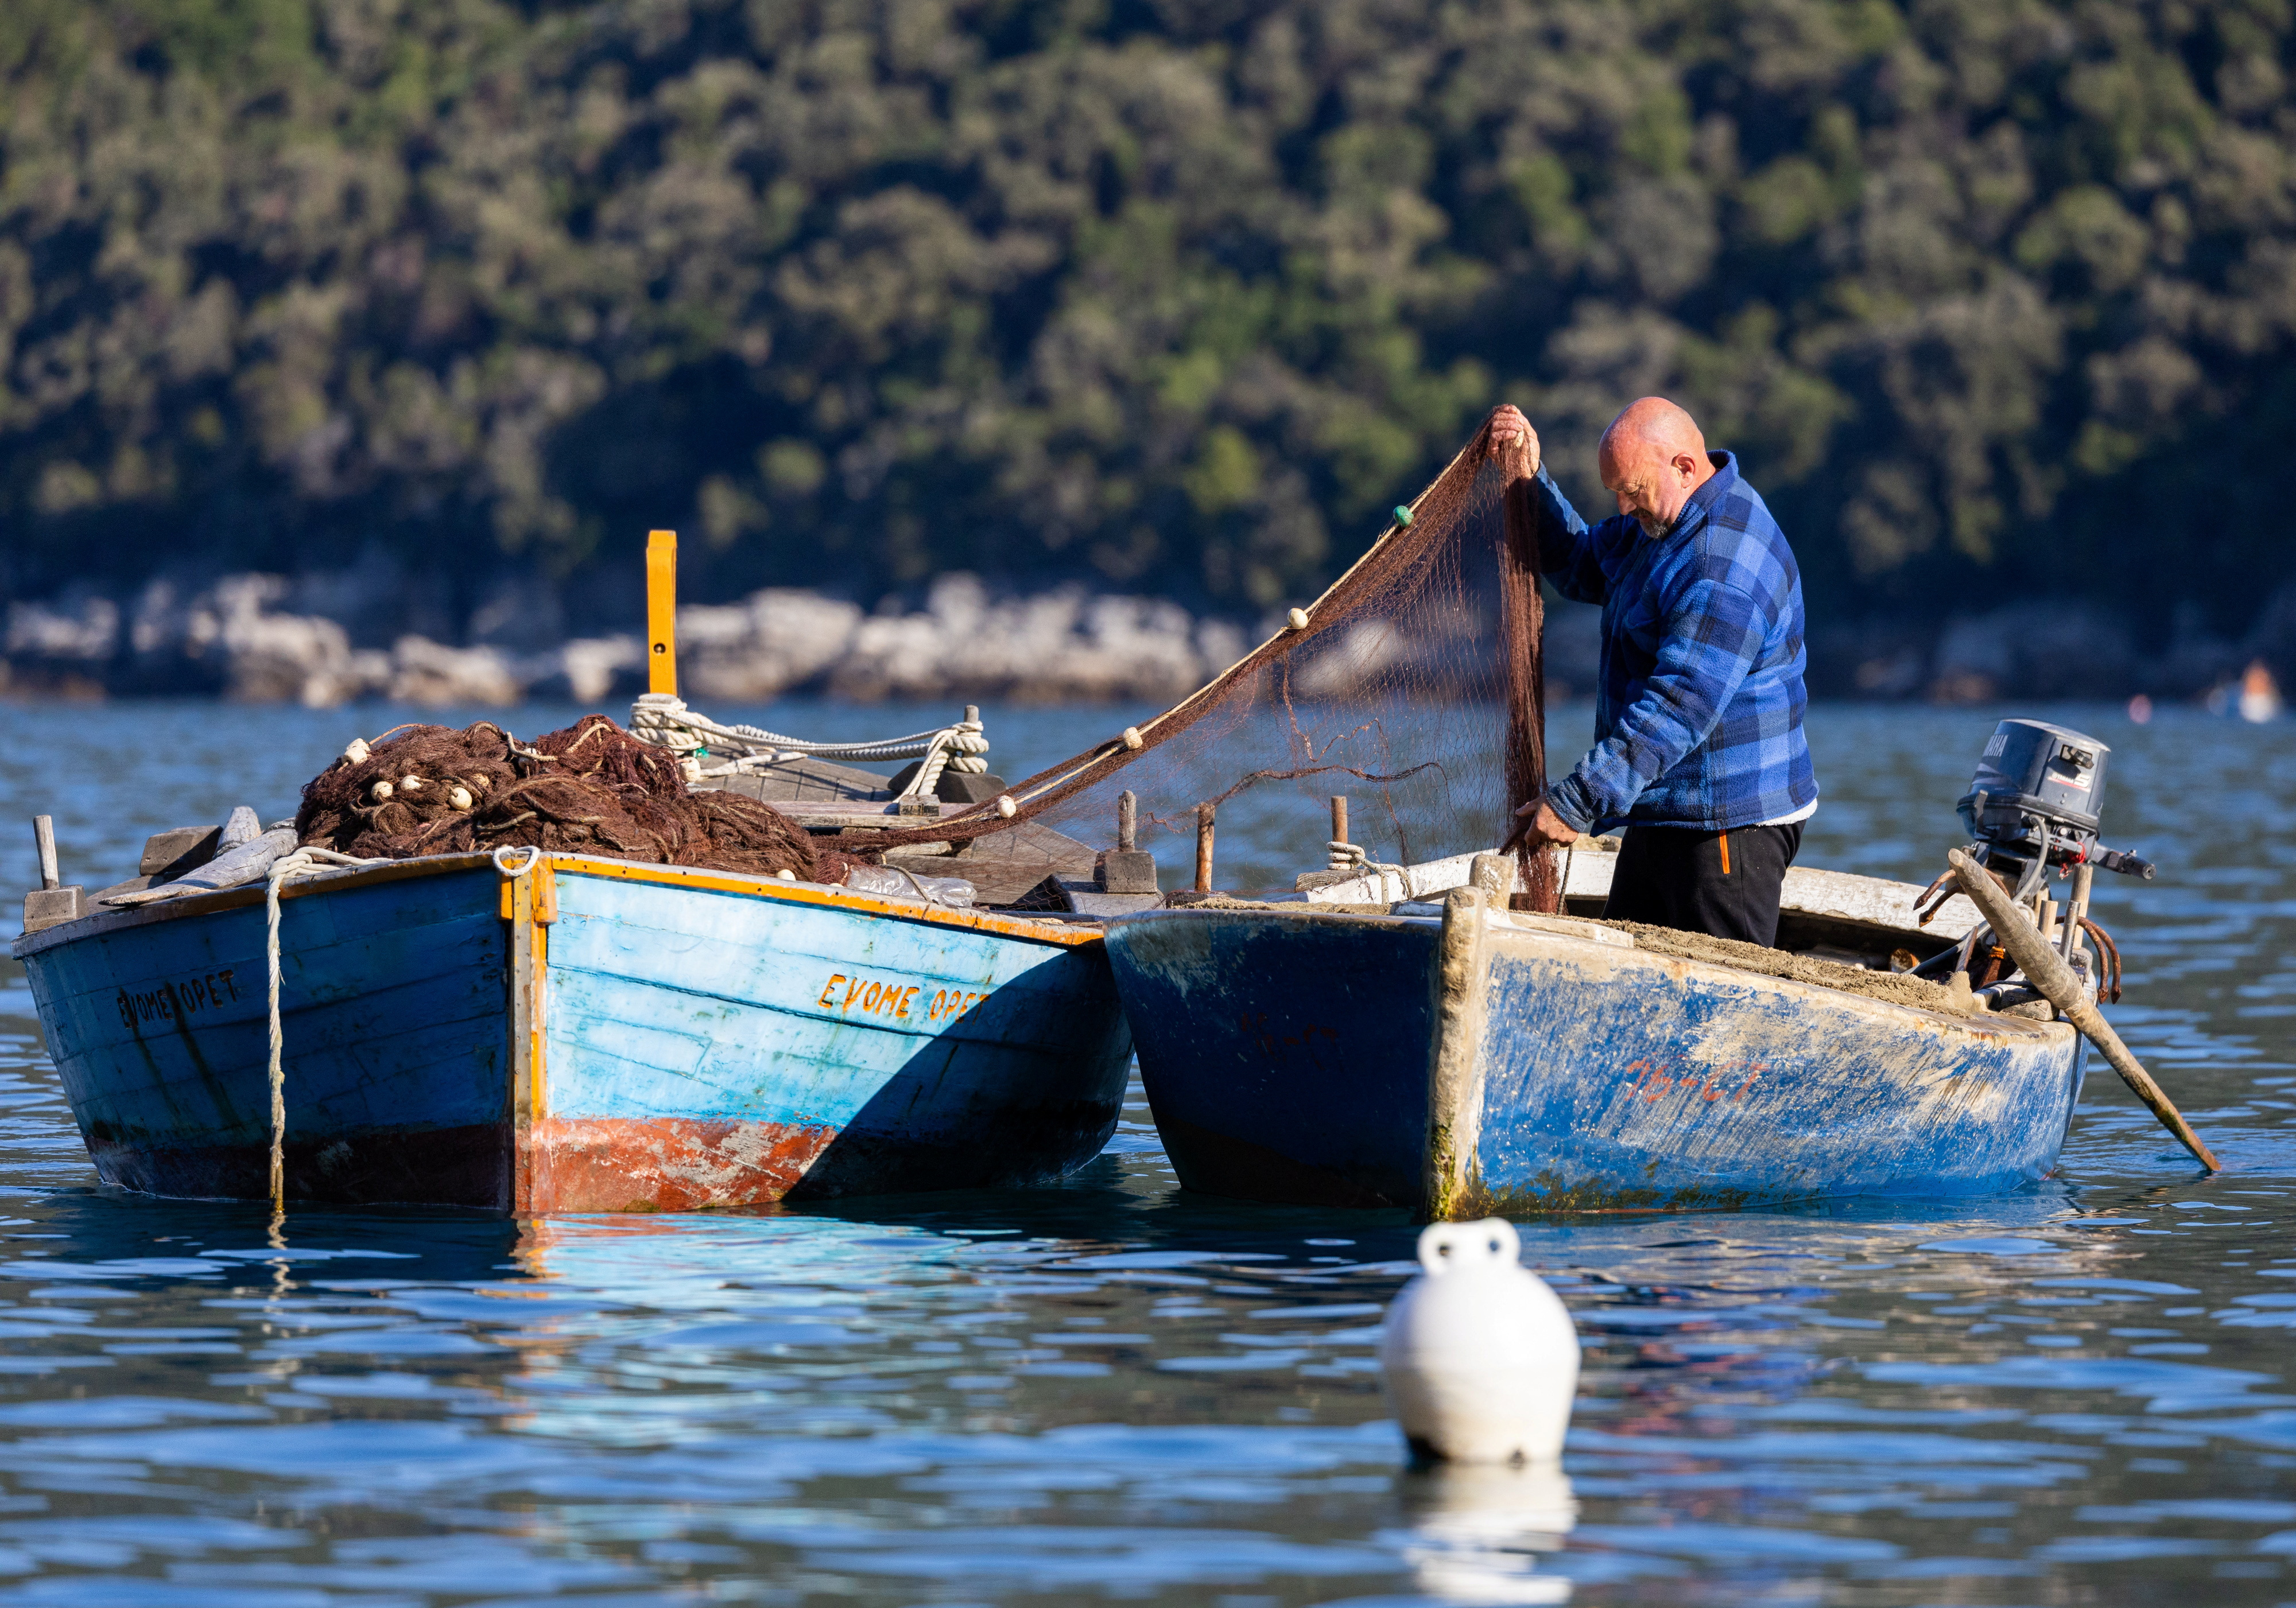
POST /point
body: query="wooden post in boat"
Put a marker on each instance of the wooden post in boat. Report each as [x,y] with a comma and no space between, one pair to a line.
[1522,621]
[1340,817]
[43,840]
[1127,822]
[1454,1094]
[2075,907]
[1204,848]
[662,612]
[51,903]
[2046,970]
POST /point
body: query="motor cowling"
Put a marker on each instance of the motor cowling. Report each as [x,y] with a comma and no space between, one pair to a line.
[2038,793]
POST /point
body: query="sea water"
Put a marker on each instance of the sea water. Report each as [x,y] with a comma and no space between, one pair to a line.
[1112,1391]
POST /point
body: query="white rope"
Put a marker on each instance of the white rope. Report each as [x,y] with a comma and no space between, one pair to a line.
[533,858]
[301,862]
[960,748]
[663,719]
[1350,857]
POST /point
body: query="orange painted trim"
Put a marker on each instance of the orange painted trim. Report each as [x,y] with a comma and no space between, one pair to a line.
[1724,841]
[1064,933]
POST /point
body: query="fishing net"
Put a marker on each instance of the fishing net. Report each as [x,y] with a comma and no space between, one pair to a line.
[590,789]
[1413,687]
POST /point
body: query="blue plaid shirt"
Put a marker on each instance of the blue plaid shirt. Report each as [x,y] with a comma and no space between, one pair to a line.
[1698,719]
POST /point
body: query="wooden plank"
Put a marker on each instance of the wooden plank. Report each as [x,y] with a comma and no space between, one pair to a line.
[806,779]
[1004,864]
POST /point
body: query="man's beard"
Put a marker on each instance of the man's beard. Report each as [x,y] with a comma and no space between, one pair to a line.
[1655,528]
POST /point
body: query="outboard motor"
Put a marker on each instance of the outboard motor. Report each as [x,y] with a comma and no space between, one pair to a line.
[2036,801]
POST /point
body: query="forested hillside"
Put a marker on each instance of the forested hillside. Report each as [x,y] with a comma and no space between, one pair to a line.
[1177,295]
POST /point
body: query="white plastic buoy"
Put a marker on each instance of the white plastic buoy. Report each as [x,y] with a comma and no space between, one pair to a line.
[459,798]
[410,784]
[1296,618]
[1005,807]
[382,790]
[1481,1359]
[1133,739]
[356,750]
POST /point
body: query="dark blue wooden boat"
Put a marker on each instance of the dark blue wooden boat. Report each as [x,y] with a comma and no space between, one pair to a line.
[1476,1062]
[592,1035]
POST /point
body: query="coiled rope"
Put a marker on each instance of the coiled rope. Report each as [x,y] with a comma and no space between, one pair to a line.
[1350,857]
[663,719]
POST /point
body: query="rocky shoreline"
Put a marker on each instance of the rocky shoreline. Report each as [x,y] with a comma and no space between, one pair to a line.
[234,639]
[257,638]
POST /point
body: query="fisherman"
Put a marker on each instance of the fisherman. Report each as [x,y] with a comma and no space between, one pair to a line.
[1698,736]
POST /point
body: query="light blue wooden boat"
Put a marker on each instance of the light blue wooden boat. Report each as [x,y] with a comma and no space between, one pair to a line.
[1464,1060]
[590,1036]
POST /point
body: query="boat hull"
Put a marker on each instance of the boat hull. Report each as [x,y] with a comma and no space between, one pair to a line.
[1555,1070]
[1284,1058]
[590,1037]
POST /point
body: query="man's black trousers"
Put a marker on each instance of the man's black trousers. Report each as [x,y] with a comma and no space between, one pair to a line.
[1722,882]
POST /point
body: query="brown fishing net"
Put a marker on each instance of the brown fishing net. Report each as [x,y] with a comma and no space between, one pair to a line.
[591,789]
[1414,688]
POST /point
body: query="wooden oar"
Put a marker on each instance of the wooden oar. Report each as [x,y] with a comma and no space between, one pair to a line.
[2046,970]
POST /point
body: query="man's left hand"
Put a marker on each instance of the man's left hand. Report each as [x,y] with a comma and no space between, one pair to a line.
[1535,825]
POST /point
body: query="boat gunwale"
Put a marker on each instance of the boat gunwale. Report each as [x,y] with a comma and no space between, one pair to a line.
[107,920]
[1978,1024]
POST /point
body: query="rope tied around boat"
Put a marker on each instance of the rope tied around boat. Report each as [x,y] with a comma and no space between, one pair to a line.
[1350,857]
[663,719]
[303,862]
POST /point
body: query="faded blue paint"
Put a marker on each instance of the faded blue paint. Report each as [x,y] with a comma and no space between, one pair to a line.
[669,1001]
[1619,1079]
[1604,1078]
[391,1001]
[1284,1056]
[668,1008]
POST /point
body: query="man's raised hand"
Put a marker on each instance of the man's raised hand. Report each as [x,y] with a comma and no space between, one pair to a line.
[1509,431]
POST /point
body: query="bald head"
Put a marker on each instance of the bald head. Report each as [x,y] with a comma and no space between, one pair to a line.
[1653,457]
[1654,422]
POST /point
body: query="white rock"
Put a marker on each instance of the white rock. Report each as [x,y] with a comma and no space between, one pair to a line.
[84,628]
[590,664]
[752,652]
[1480,1359]
[425,672]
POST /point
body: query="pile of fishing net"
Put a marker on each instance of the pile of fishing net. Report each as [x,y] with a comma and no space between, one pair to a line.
[590,789]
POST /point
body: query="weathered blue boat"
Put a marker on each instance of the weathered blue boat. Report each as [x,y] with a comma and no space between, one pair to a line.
[588,1035]
[1462,1059]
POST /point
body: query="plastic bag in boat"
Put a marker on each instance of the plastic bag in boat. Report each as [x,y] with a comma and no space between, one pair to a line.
[886,881]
